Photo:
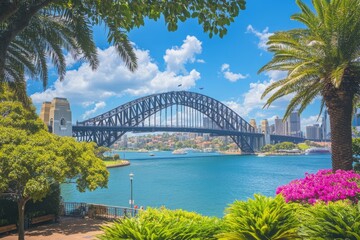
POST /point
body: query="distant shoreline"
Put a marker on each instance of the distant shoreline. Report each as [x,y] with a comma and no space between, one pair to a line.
[123,163]
[280,154]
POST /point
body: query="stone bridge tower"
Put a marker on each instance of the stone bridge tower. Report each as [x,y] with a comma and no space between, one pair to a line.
[57,115]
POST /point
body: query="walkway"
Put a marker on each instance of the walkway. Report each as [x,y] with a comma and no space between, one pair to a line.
[67,229]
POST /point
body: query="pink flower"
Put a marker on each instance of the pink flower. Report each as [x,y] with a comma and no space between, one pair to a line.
[323,186]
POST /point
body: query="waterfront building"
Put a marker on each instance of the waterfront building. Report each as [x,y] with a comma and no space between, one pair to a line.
[57,115]
[293,125]
[265,126]
[314,132]
[279,126]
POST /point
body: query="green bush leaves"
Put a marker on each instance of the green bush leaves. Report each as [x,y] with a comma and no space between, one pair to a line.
[161,224]
[260,218]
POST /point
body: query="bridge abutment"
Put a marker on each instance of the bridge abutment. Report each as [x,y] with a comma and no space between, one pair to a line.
[57,115]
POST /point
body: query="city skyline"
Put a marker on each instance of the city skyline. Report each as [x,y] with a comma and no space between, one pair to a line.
[183,60]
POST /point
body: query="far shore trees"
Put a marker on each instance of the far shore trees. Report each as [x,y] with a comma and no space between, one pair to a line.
[321,60]
[32,159]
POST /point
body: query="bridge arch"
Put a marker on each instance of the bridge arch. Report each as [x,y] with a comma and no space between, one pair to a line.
[108,127]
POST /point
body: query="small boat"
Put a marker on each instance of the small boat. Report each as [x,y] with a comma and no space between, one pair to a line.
[261,155]
[179,152]
[208,150]
[151,154]
[317,150]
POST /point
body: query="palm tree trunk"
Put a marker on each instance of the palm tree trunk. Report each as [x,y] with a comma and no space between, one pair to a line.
[340,112]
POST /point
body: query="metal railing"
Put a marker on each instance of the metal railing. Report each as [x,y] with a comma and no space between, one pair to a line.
[76,209]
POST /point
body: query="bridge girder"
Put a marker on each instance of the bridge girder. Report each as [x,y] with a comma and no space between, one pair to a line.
[135,112]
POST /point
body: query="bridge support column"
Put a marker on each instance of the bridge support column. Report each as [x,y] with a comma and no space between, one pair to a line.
[261,142]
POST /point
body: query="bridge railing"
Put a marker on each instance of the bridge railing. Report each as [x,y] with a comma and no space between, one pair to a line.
[77,209]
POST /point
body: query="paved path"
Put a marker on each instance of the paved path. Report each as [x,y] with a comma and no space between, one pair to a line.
[67,229]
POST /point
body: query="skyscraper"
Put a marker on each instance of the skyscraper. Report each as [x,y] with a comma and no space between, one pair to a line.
[279,126]
[325,125]
[293,124]
[314,132]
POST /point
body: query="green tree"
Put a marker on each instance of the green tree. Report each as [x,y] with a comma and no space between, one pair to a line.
[285,146]
[32,159]
[18,22]
[267,148]
[321,60]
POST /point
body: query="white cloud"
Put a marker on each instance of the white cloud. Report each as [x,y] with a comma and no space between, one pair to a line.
[237,107]
[251,101]
[200,60]
[70,60]
[98,105]
[263,36]
[232,77]
[176,57]
[83,87]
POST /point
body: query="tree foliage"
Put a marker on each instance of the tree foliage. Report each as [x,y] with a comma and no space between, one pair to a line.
[31,31]
[321,60]
[32,159]
[278,146]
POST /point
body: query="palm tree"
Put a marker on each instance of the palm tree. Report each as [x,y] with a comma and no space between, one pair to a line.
[49,33]
[321,60]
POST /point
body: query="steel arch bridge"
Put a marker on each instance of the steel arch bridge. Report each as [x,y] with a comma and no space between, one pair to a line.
[190,109]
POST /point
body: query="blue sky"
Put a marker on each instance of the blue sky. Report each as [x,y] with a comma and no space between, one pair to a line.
[226,68]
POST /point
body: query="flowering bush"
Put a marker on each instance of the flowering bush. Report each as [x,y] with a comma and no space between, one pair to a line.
[323,186]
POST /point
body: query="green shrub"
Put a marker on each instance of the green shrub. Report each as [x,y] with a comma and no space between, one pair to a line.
[260,218]
[163,224]
[334,220]
[116,156]
[49,205]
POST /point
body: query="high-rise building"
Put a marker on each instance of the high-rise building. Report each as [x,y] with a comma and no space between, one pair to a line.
[325,125]
[279,126]
[293,127]
[314,132]
[265,126]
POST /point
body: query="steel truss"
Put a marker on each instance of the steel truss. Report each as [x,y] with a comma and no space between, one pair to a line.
[108,127]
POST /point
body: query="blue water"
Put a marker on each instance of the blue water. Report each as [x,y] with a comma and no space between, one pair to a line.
[205,183]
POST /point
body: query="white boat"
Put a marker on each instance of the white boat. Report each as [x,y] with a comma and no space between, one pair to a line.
[208,150]
[179,152]
[317,150]
[261,155]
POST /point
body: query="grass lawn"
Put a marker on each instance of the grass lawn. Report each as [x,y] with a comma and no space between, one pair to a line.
[115,162]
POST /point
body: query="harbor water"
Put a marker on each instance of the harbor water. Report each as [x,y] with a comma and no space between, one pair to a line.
[203,182]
